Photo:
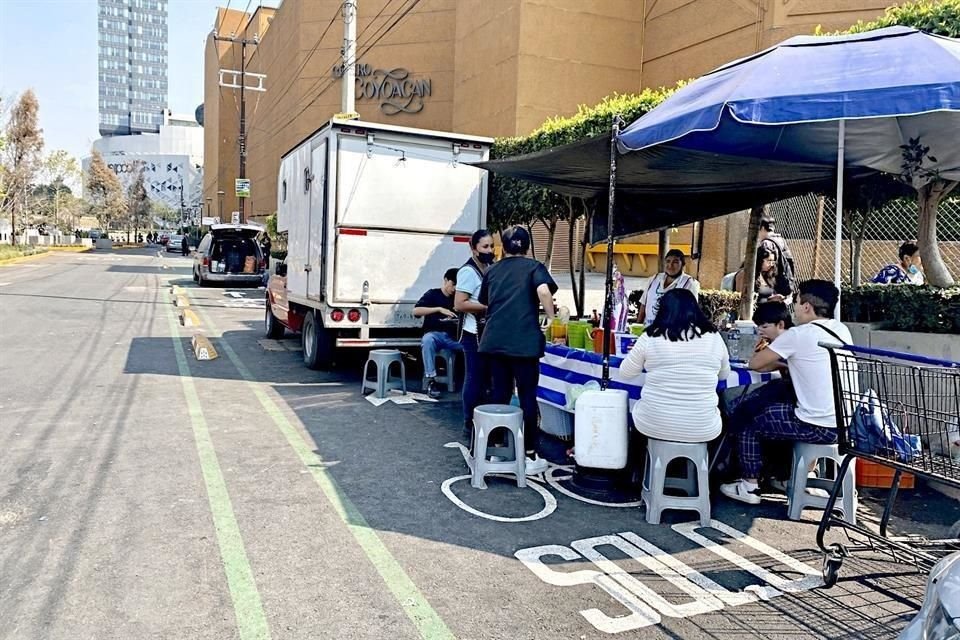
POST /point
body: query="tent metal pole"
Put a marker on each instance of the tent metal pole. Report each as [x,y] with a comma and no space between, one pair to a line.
[837,236]
[608,287]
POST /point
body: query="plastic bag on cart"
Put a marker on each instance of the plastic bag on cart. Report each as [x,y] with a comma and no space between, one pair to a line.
[873,431]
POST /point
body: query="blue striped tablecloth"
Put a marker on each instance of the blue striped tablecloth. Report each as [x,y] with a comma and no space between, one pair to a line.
[562,366]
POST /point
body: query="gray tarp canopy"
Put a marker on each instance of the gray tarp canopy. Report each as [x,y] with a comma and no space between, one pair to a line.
[666,186]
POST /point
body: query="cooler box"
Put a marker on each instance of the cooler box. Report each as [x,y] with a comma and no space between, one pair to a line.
[600,429]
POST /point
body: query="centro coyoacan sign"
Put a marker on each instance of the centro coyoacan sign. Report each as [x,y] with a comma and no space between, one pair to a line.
[393,88]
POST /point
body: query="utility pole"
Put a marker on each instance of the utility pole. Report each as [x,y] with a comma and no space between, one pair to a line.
[239,81]
[348,90]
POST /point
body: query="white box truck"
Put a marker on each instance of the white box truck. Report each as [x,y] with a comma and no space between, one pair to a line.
[374,215]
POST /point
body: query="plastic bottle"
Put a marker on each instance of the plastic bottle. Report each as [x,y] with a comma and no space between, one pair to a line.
[733,344]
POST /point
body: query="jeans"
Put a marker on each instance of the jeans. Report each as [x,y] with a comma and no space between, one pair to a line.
[525,373]
[430,344]
[476,381]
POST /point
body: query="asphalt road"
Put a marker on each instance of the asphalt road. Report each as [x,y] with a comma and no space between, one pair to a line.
[145,494]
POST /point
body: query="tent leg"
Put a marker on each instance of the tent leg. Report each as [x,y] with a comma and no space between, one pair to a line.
[837,236]
[608,287]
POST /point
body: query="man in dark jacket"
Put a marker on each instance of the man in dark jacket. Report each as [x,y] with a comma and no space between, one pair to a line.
[185,245]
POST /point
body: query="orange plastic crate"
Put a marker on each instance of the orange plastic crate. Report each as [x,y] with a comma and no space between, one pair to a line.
[878,476]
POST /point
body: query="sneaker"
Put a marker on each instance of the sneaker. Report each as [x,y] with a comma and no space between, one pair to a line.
[742,491]
[433,389]
[536,465]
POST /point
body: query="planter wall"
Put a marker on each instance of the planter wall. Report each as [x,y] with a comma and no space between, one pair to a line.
[104,243]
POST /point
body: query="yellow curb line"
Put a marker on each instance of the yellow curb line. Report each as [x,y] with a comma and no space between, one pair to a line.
[203,348]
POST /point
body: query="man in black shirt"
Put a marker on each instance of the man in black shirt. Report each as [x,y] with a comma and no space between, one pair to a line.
[439,324]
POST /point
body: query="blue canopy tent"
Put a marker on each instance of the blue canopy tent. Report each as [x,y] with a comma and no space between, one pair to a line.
[788,120]
[855,99]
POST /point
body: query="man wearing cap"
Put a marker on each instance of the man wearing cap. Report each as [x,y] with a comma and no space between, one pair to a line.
[672,277]
[813,418]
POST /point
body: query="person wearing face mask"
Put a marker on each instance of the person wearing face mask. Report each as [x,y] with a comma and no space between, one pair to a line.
[513,291]
[672,277]
[907,271]
[476,381]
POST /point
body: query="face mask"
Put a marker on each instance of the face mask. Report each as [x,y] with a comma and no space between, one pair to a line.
[485,258]
[913,269]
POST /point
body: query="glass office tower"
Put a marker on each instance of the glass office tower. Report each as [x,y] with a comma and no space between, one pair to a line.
[132,65]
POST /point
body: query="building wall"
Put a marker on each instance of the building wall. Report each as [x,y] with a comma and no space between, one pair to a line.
[495,67]
[170,159]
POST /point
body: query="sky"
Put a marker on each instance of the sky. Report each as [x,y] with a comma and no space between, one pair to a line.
[51,47]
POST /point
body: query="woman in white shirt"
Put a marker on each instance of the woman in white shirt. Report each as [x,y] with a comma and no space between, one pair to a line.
[684,357]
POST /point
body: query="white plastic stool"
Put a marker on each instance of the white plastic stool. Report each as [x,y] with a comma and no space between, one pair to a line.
[805,454]
[695,484]
[486,418]
[450,359]
[382,359]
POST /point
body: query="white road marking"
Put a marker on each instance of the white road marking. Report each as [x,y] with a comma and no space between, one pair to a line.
[549,502]
[3,284]
[555,484]
[644,605]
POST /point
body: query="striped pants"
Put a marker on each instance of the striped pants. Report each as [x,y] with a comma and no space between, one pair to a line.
[776,422]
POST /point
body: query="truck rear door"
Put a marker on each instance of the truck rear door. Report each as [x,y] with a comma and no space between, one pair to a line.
[405,208]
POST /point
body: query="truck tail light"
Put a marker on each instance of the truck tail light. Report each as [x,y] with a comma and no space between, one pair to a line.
[206,261]
[353,315]
[336,315]
[263,264]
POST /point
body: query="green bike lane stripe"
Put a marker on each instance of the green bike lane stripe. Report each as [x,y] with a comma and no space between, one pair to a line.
[427,621]
[251,621]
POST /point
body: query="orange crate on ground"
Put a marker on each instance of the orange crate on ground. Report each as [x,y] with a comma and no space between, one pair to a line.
[878,476]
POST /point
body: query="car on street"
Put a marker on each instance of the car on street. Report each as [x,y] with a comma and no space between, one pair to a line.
[164,238]
[175,242]
[229,255]
[95,234]
[278,317]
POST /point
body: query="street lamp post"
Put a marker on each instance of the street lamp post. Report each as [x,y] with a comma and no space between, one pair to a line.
[220,195]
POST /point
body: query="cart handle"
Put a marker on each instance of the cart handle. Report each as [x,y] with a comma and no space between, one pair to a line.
[911,357]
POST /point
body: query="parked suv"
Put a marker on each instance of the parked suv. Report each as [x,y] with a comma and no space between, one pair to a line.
[229,255]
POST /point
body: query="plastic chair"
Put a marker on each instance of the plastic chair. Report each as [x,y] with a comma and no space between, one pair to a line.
[486,418]
[382,359]
[450,359]
[695,484]
[797,497]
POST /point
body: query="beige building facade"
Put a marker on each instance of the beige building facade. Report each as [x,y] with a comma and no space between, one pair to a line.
[485,67]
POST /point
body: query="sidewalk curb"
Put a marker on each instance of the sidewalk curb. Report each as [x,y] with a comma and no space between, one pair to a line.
[46,252]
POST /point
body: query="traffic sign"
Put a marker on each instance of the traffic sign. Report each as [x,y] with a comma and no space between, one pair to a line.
[243,187]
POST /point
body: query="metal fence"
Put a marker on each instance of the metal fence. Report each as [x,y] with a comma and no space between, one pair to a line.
[807,223]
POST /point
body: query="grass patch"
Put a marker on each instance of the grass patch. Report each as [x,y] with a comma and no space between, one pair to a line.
[8,251]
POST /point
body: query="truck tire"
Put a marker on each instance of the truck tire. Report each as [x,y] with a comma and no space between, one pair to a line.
[271,327]
[318,343]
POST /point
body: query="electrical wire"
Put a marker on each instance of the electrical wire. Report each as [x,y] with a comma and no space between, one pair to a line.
[223,17]
[357,56]
[322,79]
[296,74]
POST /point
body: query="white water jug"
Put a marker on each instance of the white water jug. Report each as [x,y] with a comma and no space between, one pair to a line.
[600,429]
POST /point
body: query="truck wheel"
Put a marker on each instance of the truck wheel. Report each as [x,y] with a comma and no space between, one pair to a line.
[272,328]
[318,343]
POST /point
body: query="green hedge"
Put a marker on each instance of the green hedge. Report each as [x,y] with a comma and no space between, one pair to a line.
[716,304]
[904,307]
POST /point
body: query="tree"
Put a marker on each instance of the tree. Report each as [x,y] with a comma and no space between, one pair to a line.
[138,203]
[861,201]
[918,170]
[107,201]
[23,141]
[931,190]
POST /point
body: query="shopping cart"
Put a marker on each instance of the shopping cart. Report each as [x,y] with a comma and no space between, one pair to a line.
[899,410]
